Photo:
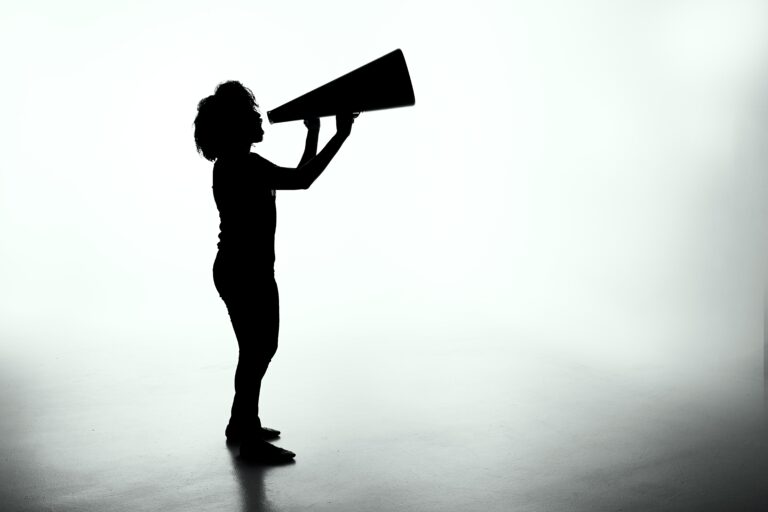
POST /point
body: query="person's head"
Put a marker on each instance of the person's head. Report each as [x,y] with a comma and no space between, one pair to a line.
[228,121]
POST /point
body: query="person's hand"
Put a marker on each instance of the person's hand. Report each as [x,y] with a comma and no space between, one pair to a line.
[313,123]
[344,123]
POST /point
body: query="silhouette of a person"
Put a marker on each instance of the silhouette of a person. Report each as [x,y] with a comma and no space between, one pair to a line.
[244,185]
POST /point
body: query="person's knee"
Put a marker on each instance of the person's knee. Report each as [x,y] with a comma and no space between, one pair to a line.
[256,359]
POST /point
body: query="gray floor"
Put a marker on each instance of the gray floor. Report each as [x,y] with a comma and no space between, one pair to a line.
[387,426]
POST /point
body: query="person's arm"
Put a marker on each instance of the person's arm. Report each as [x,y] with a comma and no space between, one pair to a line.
[310,147]
[286,178]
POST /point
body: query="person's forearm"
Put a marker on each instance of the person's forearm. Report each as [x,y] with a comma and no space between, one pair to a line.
[310,148]
[315,166]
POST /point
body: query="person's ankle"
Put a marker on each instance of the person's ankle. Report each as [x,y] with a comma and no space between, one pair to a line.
[235,434]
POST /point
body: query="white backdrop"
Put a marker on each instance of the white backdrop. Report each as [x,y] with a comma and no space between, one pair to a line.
[581,177]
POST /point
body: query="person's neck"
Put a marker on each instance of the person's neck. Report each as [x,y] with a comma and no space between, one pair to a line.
[237,151]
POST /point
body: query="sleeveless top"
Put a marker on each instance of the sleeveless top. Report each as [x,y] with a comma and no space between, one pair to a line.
[247,211]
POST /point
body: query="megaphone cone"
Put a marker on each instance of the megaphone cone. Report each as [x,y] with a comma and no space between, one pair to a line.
[381,84]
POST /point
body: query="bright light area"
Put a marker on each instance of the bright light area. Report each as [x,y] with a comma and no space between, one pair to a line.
[585,178]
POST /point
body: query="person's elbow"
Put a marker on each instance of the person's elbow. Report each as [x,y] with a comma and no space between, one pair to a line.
[305,177]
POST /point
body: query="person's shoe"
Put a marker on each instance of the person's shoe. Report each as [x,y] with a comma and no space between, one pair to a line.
[234,435]
[262,452]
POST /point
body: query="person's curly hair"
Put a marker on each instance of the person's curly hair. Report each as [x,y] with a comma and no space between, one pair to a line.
[225,118]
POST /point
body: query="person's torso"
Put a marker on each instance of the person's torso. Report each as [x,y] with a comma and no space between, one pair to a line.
[247,212]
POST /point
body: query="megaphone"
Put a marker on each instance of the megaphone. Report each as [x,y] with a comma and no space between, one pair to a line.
[381,84]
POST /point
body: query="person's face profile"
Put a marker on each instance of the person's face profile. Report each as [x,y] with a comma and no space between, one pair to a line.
[258,130]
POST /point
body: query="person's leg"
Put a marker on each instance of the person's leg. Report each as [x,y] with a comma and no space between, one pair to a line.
[255,318]
[258,343]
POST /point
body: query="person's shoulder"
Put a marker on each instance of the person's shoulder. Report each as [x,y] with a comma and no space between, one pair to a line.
[226,171]
[231,165]
[221,164]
